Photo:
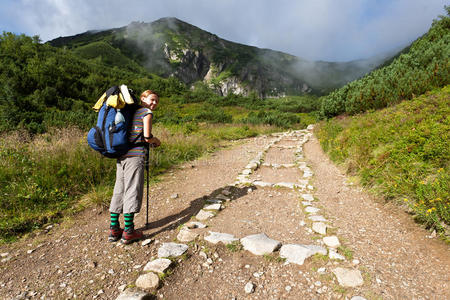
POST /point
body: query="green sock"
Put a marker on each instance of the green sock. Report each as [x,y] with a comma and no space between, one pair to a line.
[115,220]
[129,221]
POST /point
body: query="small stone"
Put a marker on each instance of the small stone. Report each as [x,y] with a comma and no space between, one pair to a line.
[311,209]
[332,254]
[289,185]
[317,218]
[192,225]
[317,283]
[185,235]
[217,237]
[308,197]
[247,171]
[258,274]
[216,207]
[260,244]
[348,277]
[214,201]
[174,196]
[159,265]
[331,241]
[319,227]
[249,288]
[321,270]
[172,250]
[288,288]
[223,197]
[357,298]
[111,271]
[226,192]
[306,203]
[263,184]
[148,281]
[355,261]
[147,242]
[4,254]
[204,215]
[122,287]
[30,251]
[302,223]
[203,254]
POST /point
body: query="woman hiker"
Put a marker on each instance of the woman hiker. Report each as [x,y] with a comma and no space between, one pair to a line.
[129,186]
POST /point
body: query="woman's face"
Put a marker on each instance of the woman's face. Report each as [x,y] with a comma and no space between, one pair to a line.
[151,101]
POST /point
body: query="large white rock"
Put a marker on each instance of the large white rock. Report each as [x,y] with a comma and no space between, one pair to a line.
[319,227]
[185,235]
[216,207]
[148,281]
[130,294]
[331,241]
[159,265]
[348,277]
[218,237]
[297,254]
[311,209]
[260,244]
[204,215]
[172,250]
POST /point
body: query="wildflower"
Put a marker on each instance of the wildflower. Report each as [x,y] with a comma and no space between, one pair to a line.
[422,182]
[429,210]
[406,200]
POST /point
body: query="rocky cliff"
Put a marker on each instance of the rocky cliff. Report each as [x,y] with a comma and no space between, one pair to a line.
[170,47]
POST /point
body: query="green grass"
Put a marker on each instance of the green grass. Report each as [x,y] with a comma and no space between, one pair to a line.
[49,176]
[401,152]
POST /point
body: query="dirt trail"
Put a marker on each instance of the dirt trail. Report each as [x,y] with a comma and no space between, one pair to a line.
[394,256]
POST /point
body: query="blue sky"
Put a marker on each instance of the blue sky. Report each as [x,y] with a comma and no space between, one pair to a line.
[330,30]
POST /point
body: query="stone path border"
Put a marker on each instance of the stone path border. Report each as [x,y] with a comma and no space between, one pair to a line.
[259,244]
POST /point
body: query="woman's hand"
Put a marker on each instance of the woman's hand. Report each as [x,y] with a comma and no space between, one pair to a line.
[154,142]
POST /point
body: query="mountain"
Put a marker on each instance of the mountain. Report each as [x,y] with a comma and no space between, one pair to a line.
[171,47]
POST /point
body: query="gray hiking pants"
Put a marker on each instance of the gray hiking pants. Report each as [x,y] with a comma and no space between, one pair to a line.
[129,186]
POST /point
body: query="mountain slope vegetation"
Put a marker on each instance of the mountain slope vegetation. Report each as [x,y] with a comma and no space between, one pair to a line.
[170,46]
[424,65]
[402,152]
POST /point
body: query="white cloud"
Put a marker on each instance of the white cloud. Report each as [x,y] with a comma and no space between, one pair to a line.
[312,29]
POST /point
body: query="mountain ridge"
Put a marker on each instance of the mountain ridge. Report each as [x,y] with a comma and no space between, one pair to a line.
[172,47]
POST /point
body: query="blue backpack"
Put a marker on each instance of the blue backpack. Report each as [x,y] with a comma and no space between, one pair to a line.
[110,136]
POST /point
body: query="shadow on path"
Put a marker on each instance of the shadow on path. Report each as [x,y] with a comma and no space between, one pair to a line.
[173,221]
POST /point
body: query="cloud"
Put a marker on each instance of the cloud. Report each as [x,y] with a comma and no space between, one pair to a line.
[315,30]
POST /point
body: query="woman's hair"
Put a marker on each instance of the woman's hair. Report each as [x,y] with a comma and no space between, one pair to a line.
[146,93]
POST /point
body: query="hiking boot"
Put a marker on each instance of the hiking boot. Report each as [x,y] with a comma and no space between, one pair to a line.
[130,236]
[115,233]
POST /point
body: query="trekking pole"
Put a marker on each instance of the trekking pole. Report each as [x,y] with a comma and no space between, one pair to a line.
[147,156]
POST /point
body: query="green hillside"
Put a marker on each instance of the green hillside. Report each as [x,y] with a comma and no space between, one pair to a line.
[170,46]
[402,152]
[424,65]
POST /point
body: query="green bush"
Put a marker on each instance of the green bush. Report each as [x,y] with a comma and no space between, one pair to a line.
[403,152]
[424,67]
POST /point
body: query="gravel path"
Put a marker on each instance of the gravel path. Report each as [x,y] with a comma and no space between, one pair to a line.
[283,182]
